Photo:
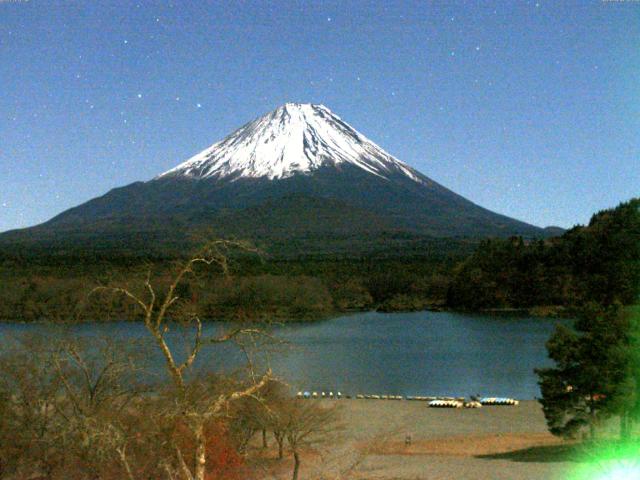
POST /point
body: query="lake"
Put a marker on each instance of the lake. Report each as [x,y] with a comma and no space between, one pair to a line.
[418,353]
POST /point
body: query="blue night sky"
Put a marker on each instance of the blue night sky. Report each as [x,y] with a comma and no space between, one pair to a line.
[528,108]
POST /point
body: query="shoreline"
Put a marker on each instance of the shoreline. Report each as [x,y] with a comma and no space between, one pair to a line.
[542,312]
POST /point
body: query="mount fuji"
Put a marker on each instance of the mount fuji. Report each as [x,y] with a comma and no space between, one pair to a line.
[297,172]
[294,138]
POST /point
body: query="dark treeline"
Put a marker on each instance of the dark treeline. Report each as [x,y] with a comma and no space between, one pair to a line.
[300,289]
[598,262]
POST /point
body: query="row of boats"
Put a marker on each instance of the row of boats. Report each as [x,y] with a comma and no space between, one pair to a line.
[436,402]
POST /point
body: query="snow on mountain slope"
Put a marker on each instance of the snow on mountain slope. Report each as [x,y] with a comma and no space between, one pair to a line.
[294,138]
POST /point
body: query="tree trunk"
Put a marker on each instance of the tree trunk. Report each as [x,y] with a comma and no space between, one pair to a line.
[201,459]
[280,442]
[624,426]
[296,465]
[592,415]
[264,438]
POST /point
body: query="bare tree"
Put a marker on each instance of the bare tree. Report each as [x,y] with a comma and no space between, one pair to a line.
[245,421]
[101,400]
[308,424]
[271,413]
[65,407]
[31,428]
[194,404]
[292,422]
[75,409]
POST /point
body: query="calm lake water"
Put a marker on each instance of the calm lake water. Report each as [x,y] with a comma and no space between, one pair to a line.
[420,353]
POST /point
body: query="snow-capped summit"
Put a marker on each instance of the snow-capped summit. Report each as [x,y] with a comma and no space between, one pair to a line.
[294,138]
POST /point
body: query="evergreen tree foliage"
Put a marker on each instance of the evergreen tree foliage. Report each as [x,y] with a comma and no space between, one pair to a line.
[599,262]
[591,379]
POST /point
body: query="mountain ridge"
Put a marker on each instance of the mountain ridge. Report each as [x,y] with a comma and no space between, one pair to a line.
[247,184]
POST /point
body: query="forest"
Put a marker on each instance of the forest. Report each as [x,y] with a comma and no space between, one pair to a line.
[599,262]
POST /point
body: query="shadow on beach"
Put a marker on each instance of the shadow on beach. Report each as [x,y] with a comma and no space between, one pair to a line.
[541,454]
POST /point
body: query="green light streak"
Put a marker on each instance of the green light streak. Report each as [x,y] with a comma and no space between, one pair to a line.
[609,461]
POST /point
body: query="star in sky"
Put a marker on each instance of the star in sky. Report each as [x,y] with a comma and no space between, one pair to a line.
[101,75]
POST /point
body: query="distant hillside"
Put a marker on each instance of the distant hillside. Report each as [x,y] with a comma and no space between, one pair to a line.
[597,262]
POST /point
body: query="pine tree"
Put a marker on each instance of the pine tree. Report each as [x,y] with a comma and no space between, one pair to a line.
[592,377]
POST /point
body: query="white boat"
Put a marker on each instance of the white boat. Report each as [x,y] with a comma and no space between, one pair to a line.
[445,404]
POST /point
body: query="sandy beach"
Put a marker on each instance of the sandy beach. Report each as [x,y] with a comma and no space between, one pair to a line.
[486,443]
